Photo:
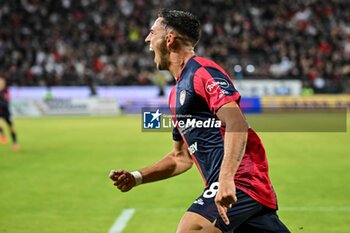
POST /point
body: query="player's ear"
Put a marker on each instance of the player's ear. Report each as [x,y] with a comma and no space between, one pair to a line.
[170,40]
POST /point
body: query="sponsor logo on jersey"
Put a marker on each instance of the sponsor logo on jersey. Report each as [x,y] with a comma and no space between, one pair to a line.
[193,148]
[214,84]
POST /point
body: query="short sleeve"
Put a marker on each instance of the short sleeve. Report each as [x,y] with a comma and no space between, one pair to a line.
[215,87]
[176,135]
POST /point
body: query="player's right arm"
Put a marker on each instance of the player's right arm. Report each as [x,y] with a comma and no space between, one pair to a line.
[174,163]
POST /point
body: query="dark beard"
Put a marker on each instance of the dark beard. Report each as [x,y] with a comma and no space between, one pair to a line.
[164,57]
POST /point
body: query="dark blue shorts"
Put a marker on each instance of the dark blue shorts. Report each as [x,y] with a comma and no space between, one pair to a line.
[246,215]
[6,115]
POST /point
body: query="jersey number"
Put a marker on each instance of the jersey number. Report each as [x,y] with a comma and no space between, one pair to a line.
[211,192]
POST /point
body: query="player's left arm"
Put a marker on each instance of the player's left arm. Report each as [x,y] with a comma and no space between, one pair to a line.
[236,133]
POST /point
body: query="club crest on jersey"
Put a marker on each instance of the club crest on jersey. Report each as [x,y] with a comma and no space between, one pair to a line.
[214,84]
[182,97]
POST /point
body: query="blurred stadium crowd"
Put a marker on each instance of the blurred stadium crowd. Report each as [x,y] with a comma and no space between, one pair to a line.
[68,42]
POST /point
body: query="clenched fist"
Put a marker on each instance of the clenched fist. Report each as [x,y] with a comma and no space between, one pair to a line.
[123,179]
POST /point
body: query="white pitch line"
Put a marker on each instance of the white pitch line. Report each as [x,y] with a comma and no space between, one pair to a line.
[122,220]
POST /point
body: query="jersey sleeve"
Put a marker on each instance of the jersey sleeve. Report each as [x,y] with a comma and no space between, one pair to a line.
[215,87]
[176,135]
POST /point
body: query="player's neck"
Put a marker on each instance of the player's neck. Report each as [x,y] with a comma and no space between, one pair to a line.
[178,60]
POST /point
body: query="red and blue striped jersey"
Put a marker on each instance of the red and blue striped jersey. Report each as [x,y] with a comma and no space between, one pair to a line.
[201,89]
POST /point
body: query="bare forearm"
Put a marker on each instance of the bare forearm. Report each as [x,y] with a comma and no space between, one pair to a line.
[235,143]
[236,134]
[167,167]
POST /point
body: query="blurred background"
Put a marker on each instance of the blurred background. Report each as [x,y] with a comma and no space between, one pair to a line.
[65,42]
[269,47]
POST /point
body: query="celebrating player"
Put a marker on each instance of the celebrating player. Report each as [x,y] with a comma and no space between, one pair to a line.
[6,115]
[238,196]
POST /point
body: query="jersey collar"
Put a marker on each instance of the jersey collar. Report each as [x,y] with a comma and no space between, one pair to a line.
[179,76]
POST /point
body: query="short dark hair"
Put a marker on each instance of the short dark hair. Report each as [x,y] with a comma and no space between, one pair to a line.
[183,22]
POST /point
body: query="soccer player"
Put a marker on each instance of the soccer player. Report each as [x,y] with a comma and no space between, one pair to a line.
[6,115]
[238,195]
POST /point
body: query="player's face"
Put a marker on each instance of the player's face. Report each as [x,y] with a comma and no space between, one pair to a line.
[157,44]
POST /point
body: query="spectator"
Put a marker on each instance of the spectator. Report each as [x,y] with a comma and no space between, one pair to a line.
[56,41]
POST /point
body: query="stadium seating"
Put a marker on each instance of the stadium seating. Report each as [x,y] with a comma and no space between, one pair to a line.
[53,43]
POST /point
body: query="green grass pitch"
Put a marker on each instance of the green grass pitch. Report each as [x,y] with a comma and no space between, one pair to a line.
[59,183]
